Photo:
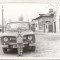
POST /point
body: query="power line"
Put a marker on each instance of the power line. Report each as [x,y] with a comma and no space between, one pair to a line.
[2,20]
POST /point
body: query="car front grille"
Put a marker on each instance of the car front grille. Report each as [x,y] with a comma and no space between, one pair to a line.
[24,40]
[12,39]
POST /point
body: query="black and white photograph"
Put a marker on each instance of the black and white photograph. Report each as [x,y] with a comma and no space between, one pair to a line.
[29,30]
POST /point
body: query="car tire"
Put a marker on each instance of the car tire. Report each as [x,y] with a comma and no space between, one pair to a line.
[32,48]
[5,50]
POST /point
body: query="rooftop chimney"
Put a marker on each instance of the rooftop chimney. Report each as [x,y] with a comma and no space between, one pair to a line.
[50,10]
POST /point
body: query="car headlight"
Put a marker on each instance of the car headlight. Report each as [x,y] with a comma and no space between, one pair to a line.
[30,37]
[5,39]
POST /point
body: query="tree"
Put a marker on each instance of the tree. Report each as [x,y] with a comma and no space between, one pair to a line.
[10,20]
[21,18]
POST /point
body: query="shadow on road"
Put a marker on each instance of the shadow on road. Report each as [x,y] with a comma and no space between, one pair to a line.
[14,51]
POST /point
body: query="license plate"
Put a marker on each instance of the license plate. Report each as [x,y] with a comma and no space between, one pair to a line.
[4,45]
[15,46]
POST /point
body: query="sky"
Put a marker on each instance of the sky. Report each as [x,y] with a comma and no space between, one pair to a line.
[29,11]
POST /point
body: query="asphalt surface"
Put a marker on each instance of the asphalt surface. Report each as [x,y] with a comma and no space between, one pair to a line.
[47,45]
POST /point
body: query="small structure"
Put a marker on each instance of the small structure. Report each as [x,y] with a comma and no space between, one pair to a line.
[45,22]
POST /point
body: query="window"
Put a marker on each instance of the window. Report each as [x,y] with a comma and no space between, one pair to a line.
[36,24]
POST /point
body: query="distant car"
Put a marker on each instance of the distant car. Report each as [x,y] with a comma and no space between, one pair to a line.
[8,38]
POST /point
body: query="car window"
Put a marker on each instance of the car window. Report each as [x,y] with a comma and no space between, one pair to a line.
[17,26]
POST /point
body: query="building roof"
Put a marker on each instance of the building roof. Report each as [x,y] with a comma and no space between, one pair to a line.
[44,15]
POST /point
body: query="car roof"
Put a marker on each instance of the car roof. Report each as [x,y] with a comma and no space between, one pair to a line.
[18,22]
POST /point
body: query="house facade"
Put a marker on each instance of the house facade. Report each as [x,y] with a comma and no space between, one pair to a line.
[45,22]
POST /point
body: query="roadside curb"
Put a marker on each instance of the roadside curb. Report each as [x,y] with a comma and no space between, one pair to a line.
[38,33]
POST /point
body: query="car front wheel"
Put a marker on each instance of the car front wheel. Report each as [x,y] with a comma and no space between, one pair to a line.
[32,48]
[5,50]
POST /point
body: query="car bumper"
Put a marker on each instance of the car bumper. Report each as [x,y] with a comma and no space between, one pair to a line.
[33,44]
[4,46]
[15,45]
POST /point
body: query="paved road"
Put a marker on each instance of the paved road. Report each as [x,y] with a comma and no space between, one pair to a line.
[47,45]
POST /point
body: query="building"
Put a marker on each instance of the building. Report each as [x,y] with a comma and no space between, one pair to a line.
[45,22]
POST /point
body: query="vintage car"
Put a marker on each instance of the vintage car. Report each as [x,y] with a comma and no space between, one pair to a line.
[9,37]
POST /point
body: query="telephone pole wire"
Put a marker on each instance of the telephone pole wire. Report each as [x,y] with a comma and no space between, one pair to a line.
[2,20]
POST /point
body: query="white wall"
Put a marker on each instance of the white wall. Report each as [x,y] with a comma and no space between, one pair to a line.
[57,21]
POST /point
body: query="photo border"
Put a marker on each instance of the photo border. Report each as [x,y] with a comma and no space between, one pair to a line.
[30,1]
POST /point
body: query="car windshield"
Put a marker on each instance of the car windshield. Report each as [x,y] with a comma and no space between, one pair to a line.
[17,26]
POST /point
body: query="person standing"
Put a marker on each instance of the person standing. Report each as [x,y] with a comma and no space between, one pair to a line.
[20,45]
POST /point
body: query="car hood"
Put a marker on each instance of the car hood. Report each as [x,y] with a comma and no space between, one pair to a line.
[29,32]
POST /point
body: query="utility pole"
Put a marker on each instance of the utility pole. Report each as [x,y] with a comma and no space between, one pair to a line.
[2,21]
